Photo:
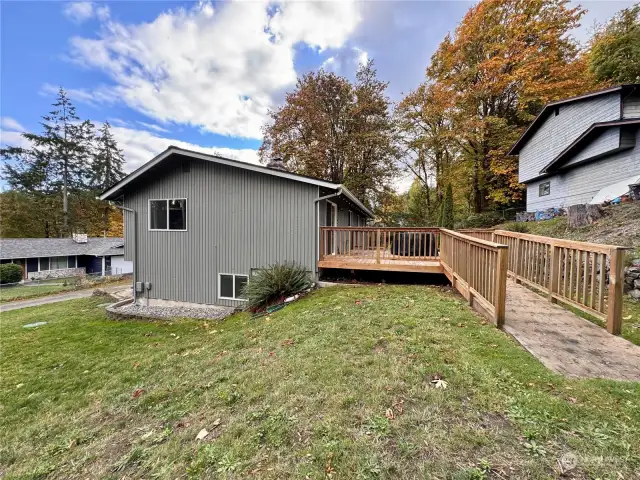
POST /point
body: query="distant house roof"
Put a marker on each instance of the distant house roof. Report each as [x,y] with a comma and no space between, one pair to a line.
[116,190]
[537,122]
[583,139]
[58,247]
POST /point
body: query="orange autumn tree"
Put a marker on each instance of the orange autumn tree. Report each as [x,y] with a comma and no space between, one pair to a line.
[506,59]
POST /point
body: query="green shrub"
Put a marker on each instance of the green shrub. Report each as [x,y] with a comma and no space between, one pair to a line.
[519,227]
[10,273]
[482,220]
[274,284]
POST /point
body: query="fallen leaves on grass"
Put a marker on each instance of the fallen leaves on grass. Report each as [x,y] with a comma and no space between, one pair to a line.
[202,434]
[137,393]
[438,381]
[389,414]
[288,342]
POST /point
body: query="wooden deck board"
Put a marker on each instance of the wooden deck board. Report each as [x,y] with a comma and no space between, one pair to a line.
[386,264]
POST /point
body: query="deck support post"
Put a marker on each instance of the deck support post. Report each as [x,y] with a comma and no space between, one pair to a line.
[378,246]
[616,284]
[554,274]
[501,284]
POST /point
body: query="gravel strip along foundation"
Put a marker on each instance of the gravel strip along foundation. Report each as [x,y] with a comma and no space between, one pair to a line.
[205,313]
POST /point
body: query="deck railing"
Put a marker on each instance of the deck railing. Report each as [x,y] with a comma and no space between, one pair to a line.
[481,233]
[571,272]
[380,243]
[478,270]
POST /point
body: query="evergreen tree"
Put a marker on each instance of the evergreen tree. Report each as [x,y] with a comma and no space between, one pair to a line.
[108,161]
[446,209]
[57,162]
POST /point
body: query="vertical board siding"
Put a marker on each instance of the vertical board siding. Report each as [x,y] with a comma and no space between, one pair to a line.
[237,220]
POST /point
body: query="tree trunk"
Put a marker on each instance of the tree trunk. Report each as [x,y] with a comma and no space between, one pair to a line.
[65,200]
[583,214]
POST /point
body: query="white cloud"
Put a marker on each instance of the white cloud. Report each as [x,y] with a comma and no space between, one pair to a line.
[79,12]
[218,69]
[13,139]
[94,97]
[363,56]
[153,127]
[11,124]
[140,146]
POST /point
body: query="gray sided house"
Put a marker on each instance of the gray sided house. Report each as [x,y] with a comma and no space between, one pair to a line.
[43,258]
[197,226]
[578,146]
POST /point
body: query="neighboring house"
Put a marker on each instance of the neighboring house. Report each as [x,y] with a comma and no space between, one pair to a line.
[65,257]
[576,147]
[197,225]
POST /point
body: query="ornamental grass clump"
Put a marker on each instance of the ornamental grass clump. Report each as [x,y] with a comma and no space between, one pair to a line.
[272,285]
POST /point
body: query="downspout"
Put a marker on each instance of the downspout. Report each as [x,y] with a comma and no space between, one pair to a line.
[317,202]
[135,246]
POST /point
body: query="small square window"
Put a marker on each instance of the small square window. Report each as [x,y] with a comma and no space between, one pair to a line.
[544,189]
[232,286]
[170,214]
[44,263]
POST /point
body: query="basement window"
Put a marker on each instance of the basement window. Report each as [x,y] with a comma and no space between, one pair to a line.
[544,189]
[169,214]
[231,285]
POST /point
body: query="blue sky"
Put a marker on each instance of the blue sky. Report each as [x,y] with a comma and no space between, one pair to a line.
[204,75]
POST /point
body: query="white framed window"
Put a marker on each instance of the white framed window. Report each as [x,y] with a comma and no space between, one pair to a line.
[230,286]
[168,214]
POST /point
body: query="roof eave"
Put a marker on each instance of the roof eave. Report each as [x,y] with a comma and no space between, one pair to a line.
[115,190]
[515,149]
[355,200]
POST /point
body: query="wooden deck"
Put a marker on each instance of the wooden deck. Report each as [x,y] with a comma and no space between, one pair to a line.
[389,265]
[477,264]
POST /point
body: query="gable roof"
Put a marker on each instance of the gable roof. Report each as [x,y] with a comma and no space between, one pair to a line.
[116,190]
[58,247]
[586,136]
[537,122]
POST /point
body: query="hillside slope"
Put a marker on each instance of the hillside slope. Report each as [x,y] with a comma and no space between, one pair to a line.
[619,226]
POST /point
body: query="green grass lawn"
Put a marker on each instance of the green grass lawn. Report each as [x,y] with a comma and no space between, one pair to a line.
[336,385]
[20,292]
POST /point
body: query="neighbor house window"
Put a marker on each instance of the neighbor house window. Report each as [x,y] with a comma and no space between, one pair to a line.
[544,189]
[231,285]
[170,214]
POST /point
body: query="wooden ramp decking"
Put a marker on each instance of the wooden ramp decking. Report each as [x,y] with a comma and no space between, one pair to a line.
[565,342]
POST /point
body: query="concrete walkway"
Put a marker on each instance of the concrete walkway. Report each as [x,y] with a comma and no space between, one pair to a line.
[121,291]
[565,342]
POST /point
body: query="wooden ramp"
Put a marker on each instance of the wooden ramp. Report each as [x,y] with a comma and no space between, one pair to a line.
[565,342]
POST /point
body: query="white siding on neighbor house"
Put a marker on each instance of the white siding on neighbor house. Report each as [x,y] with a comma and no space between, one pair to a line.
[120,266]
[580,184]
[631,106]
[608,140]
[557,132]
